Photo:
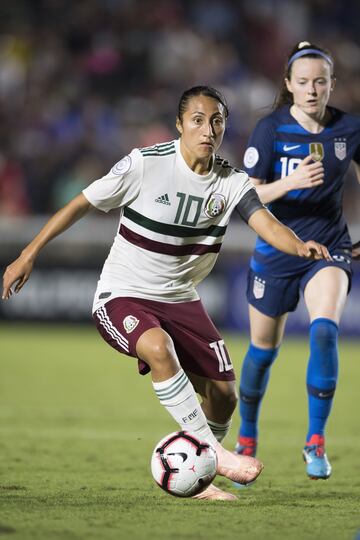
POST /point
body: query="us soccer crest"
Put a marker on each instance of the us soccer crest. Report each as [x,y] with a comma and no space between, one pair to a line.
[317,151]
[215,205]
[340,148]
[130,323]
[259,287]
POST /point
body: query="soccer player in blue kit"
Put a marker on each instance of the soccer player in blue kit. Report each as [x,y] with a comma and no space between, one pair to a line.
[297,157]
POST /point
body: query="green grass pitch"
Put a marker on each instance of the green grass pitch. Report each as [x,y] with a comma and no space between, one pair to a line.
[77,427]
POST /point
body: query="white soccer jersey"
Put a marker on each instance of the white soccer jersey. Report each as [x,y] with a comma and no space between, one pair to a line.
[172,223]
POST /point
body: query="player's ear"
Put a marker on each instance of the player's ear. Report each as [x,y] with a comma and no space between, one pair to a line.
[179,125]
[333,82]
[288,85]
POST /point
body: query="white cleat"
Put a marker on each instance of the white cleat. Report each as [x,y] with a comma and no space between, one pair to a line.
[238,468]
[213,493]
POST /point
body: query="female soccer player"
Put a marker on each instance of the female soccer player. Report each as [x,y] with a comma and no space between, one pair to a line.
[303,144]
[175,201]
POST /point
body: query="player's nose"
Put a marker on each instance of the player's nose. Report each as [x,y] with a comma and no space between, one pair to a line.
[208,129]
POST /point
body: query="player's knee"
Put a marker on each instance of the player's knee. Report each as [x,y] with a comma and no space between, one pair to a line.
[231,401]
[262,356]
[323,334]
[157,349]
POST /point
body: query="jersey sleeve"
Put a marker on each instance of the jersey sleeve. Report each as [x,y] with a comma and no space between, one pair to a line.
[248,204]
[120,186]
[245,199]
[258,156]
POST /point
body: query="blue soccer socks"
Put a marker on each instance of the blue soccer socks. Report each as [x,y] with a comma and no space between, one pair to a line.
[254,378]
[322,373]
[321,379]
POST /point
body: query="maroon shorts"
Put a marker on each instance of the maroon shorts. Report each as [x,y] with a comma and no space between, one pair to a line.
[198,344]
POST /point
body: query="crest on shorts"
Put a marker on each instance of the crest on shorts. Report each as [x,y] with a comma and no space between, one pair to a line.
[215,205]
[316,151]
[340,148]
[259,287]
[130,323]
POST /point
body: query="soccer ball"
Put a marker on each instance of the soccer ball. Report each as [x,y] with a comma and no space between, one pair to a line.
[183,465]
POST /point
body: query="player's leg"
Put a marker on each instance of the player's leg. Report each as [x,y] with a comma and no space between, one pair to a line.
[204,357]
[132,327]
[219,399]
[218,403]
[266,335]
[171,384]
[325,296]
[270,299]
[178,396]
[144,338]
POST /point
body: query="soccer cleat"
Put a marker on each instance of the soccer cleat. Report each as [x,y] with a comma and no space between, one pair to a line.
[246,446]
[238,468]
[317,463]
[213,493]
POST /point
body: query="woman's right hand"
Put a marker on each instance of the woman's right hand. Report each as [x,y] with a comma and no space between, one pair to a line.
[17,272]
[308,174]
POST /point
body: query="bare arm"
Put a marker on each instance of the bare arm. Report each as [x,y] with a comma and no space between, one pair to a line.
[19,271]
[308,174]
[283,238]
[356,246]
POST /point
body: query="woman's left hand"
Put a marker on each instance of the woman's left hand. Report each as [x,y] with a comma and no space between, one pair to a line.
[313,250]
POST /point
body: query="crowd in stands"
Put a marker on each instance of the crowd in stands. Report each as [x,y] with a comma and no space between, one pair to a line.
[82,83]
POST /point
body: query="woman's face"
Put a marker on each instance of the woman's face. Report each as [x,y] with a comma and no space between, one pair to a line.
[310,84]
[202,127]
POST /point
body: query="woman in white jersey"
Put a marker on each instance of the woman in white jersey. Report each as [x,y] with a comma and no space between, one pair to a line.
[175,201]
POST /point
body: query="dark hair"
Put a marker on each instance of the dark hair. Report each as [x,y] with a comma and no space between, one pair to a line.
[200,91]
[303,49]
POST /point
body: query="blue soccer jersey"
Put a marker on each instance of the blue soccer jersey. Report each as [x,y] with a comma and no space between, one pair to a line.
[276,147]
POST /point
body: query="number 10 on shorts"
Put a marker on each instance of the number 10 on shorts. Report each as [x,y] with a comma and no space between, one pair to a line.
[224,362]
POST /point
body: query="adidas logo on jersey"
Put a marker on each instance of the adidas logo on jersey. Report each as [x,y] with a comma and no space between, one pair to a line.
[163,199]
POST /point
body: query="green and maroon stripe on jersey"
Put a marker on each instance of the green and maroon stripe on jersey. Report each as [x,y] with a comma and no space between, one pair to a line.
[172,230]
[164,248]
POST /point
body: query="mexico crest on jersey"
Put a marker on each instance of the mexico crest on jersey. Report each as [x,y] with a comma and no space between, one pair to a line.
[215,205]
[259,287]
[317,151]
[340,148]
[130,323]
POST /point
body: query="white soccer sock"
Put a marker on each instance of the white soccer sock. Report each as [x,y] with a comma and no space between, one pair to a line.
[219,430]
[178,397]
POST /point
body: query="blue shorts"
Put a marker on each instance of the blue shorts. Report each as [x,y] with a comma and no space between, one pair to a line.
[276,296]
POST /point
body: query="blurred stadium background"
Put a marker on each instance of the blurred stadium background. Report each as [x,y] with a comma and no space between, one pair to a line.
[82,83]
